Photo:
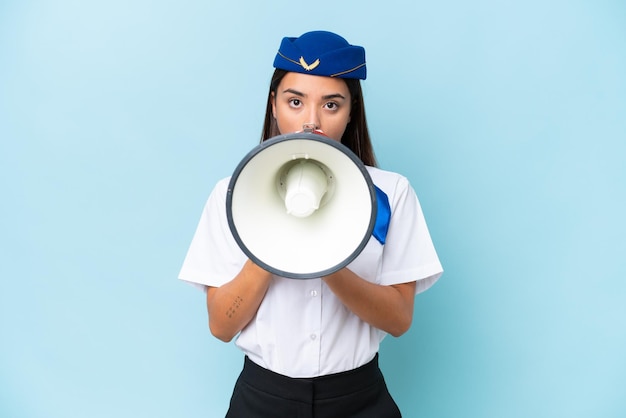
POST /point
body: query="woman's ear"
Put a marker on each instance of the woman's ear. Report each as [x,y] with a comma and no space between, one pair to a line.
[273,99]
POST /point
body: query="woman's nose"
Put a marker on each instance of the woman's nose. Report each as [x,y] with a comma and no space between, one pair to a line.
[313,121]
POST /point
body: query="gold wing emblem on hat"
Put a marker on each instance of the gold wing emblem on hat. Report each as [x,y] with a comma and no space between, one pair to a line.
[307,66]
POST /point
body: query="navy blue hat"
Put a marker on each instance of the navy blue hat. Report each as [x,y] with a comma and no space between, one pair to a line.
[321,53]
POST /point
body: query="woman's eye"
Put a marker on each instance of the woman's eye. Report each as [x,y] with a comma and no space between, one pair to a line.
[331,105]
[294,102]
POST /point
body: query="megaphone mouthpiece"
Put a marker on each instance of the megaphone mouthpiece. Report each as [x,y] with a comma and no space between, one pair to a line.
[312,128]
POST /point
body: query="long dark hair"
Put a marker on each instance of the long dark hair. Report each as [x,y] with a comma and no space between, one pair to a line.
[356,136]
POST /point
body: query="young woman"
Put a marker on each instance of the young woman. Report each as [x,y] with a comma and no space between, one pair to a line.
[311,346]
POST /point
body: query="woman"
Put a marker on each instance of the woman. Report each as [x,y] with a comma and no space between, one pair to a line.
[311,346]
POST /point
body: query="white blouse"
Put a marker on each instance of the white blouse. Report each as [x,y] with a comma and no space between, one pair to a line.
[301,328]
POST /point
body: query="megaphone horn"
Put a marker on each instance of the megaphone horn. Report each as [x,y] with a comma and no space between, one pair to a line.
[301,205]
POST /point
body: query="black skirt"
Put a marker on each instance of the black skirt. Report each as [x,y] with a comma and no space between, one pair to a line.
[358,393]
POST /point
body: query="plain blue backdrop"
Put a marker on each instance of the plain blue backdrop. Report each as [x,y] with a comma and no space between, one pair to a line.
[117,117]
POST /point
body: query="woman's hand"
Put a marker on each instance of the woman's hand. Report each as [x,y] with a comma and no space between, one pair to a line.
[234,304]
[389,308]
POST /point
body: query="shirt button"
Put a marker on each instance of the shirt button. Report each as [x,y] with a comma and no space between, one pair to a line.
[313,336]
[313,293]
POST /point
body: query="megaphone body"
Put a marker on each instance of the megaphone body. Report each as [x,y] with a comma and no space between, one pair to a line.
[301,205]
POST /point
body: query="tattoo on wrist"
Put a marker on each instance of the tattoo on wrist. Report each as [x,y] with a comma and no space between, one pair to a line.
[233,309]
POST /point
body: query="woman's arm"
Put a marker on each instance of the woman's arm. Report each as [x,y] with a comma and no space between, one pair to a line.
[389,308]
[234,304]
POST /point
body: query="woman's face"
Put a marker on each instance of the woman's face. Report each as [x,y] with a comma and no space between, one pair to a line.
[303,99]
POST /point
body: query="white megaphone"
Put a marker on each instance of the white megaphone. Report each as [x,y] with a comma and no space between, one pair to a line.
[301,205]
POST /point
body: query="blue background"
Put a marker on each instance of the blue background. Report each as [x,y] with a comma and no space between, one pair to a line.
[117,117]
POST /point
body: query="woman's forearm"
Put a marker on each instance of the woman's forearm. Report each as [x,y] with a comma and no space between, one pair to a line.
[234,304]
[389,308]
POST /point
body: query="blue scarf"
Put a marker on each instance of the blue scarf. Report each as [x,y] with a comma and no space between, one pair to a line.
[383,216]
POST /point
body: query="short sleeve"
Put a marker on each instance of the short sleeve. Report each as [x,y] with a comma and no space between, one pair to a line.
[409,253]
[213,258]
